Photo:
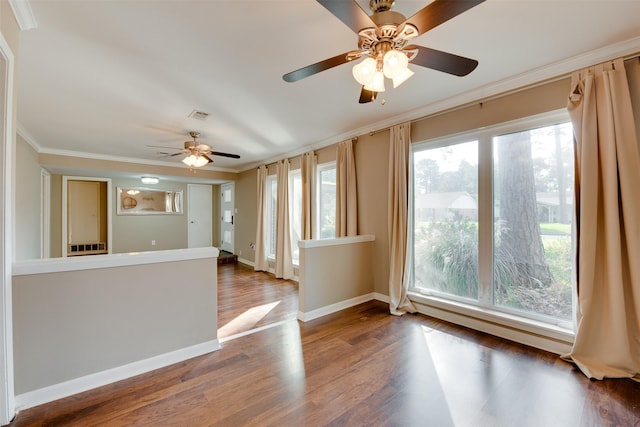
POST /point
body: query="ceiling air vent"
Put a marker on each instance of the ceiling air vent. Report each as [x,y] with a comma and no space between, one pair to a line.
[200,115]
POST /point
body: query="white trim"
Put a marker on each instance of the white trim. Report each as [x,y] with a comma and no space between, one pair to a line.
[20,130]
[56,265]
[305,244]
[24,14]
[247,262]
[45,213]
[381,297]
[99,379]
[323,311]
[109,209]
[535,334]
[7,237]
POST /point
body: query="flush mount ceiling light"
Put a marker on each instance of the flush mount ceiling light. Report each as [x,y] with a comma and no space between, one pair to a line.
[149,180]
[383,41]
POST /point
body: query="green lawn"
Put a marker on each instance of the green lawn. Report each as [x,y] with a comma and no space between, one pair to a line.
[555,228]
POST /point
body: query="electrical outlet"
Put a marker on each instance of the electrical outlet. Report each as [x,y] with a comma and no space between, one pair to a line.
[153,243]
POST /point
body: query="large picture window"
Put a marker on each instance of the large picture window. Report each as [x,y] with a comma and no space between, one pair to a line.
[493,213]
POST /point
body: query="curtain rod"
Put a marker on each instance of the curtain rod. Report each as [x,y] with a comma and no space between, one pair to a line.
[482,101]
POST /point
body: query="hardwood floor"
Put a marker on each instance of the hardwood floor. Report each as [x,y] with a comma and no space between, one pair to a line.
[249,300]
[359,367]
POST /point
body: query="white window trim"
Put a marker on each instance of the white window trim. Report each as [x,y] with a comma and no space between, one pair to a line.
[271,221]
[528,328]
[292,174]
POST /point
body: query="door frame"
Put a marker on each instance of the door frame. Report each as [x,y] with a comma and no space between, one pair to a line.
[64,208]
[7,238]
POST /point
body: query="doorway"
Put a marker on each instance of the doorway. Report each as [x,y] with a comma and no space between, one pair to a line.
[199,213]
[227,212]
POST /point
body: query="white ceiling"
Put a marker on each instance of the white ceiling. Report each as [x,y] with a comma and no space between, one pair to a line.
[107,78]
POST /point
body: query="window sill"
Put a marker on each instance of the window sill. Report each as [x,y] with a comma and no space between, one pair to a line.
[546,336]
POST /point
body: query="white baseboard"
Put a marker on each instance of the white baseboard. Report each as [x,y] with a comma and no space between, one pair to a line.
[323,311]
[88,382]
[381,297]
[246,262]
[558,343]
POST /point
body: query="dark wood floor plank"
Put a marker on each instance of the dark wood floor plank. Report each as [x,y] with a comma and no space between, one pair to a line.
[359,367]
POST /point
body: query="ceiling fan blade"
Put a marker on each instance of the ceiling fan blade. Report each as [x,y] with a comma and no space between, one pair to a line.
[367,96]
[179,153]
[207,157]
[349,12]
[218,153]
[438,12]
[163,146]
[312,69]
[442,61]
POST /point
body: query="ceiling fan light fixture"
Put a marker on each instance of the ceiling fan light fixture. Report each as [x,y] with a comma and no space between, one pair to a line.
[195,161]
[377,83]
[364,71]
[403,77]
[394,63]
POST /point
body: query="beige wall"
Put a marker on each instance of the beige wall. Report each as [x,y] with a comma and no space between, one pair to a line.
[246,219]
[75,323]
[28,202]
[350,276]
[134,233]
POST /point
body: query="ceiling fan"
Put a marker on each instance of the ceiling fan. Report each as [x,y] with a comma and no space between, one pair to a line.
[197,154]
[383,41]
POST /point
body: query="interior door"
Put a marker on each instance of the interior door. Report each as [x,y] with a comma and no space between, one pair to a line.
[199,214]
[227,212]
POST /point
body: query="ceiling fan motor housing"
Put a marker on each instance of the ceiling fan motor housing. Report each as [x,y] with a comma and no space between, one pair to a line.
[380,5]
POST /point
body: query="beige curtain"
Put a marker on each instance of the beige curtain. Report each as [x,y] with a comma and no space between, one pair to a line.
[607,342]
[399,149]
[307,171]
[260,262]
[284,261]
[346,191]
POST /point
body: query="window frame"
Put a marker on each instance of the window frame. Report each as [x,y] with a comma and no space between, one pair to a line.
[483,308]
[292,210]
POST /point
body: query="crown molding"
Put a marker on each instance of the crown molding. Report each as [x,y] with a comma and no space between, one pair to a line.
[22,132]
[24,15]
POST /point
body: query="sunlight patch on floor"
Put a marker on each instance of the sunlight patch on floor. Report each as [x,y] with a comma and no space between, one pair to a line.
[246,320]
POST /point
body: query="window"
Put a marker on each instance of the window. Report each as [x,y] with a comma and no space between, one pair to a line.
[271,206]
[326,206]
[493,214]
[295,212]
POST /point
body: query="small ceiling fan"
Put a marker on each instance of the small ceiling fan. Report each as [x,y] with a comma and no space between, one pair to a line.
[383,41]
[197,154]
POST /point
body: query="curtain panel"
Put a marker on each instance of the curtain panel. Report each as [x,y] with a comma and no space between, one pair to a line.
[399,149]
[607,174]
[260,262]
[346,191]
[307,171]
[284,261]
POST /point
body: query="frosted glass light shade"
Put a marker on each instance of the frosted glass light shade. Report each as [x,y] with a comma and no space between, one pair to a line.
[404,76]
[363,72]
[377,83]
[149,180]
[194,161]
[394,63]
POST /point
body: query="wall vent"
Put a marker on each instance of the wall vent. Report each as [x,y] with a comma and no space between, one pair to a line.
[199,115]
[86,248]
